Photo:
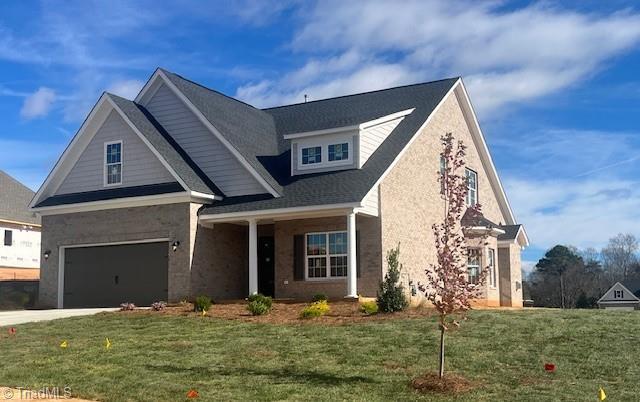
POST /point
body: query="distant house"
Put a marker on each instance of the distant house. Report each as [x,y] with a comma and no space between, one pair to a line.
[19,231]
[620,297]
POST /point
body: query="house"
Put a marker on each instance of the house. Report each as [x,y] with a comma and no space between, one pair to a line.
[620,297]
[19,231]
[186,191]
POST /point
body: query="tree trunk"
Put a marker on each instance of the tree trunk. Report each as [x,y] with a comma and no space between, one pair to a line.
[441,373]
[561,291]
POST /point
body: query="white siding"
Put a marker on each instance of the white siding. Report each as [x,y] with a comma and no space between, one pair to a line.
[370,203]
[215,160]
[372,137]
[25,250]
[139,165]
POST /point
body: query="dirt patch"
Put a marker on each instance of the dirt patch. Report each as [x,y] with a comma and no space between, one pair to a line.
[19,274]
[342,312]
[450,384]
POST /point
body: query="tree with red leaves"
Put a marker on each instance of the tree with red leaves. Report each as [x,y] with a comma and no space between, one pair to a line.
[449,287]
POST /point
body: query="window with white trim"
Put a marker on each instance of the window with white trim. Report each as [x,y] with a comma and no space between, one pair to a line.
[491,262]
[472,187]
[618,294]
[326,255]
[311,155]
[338,152]
[113,163]
[473,265]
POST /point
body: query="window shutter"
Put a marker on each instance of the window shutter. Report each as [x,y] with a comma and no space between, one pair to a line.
[298,257]
[358,269]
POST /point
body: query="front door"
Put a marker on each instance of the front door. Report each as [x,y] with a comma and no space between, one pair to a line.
[266,266]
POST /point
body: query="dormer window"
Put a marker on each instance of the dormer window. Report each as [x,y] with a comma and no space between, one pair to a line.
[618,294]
[338,152]
[311,155]
[113,163]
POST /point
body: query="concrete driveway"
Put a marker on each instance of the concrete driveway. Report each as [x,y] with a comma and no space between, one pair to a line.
[23,316]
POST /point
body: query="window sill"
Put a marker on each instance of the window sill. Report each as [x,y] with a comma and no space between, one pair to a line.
[325,280]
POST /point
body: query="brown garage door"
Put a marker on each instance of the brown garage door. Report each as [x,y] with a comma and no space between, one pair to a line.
[106,276]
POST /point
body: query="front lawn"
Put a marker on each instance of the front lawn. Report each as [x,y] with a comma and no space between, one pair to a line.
[160,357]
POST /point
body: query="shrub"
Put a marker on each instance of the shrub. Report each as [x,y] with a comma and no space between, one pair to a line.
[259,297]
[258,307]
[391,295]
[369,307]
[202,303]
[319,297]
[127,306]
[158,306]
[315,309]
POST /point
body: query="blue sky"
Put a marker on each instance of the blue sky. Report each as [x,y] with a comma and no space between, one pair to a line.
[556,86]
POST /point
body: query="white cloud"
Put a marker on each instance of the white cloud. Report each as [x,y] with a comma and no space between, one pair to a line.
[38,104]
[126,88]
[505,56]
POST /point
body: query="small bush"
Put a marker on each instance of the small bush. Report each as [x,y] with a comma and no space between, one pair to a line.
[319,297]
[391,295]
[202,303]
[369,308]
[315,309]
[127,306]
[258,307]
[259,297]
[158,306]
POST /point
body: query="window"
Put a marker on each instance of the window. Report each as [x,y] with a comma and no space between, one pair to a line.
[618,294]
[8,237]
[473,264]
[338,152]
[326,255]
[113,163]
[491,257]
[311,155]
[472,187]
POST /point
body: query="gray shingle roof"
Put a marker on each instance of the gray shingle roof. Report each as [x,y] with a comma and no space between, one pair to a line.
[510,232]
[344,186]
[175,156]
[14,201]
[249,130]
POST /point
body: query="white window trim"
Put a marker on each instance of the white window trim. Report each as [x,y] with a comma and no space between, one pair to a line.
[324,149]
[327,257]
[468,188]
[493,272]
[479,263]
[615,294]
[104,166]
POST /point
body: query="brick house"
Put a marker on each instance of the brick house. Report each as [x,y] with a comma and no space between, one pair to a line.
[186,191]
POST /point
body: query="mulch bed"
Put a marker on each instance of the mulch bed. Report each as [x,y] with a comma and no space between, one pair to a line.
[450,384]
[342,312]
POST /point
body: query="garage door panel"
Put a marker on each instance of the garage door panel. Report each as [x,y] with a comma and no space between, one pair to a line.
[109,275]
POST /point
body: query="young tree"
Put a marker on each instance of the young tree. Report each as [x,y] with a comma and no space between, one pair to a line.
[391,297]
[619,256]
[448,284]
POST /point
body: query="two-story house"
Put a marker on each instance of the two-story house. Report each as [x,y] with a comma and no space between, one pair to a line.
[186,191]
[19,231]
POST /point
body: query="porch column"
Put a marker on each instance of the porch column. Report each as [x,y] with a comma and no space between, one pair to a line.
[352,280]
[253,256]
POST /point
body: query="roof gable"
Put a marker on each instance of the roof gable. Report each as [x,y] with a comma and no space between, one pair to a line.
[627,295]
[14,201]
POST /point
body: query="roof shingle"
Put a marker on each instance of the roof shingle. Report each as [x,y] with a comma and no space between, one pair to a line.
[15,198]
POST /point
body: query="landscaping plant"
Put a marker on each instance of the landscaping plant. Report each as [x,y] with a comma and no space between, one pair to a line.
[259,304]
[158,306]
[315,309]
[202,303]
[319,297]
[369,307]
[391,297]
[448,284]
[259,297]
[127,306]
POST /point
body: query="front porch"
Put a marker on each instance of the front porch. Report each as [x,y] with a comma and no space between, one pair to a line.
[297,255]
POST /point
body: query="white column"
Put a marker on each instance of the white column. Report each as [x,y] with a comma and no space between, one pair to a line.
[253,257]
[352,277]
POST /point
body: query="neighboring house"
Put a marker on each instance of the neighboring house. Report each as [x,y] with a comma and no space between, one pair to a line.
[620,297]
[186,191]
[19,231]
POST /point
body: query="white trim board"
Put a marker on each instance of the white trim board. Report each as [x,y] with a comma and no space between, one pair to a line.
[142,98]
[61,257]
[291,213]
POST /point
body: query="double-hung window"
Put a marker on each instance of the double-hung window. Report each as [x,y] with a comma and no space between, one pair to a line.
[472,187]
[473,265]
[491,261]
[113,163]
[311,155]
[326,255]
[338,152]
[8,237]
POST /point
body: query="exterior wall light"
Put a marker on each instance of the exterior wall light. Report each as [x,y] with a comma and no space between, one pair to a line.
[47,253]
[175,245]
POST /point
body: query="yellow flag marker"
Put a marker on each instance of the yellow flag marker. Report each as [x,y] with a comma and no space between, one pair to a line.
[64,344]
[107,343]
[601,395]
[204,312]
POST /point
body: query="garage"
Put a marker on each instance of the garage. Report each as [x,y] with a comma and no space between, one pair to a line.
[106,276]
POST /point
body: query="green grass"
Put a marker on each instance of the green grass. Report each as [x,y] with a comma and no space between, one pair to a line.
[159,358]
